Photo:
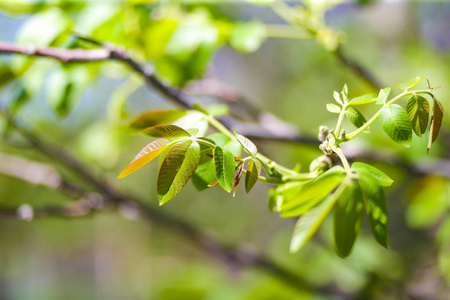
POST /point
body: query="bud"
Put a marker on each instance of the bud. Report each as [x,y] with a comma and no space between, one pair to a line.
[323,132]
[319,166]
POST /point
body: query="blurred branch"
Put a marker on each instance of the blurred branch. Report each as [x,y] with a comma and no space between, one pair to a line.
[132,207]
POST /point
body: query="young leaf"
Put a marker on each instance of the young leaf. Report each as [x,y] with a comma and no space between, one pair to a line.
[368,170]
[308,224]
[364,99]
[246,144]
[356,117]
[396,124]
[176,169]
[383,95]
[224,167]
[149,152]
[156,117]
[333,108]
[375,204]
[204,175]
[436,122]
[165,131]
[312,193]
[410,84]
[337,98]
[237,178]
[347,219]
[253,171]
[418,111]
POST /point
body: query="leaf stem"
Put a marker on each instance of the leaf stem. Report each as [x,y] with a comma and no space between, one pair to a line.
[343,159]
[340,120]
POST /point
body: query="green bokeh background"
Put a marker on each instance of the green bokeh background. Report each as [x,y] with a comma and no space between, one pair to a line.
[107,256]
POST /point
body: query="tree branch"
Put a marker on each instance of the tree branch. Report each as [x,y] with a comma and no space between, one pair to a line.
[134,207]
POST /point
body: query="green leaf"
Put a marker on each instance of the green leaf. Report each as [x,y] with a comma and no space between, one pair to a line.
[312,193]
[436,122]
[249,36]
[155,118]
[246,144]
[224,166]
[337,98]
[375,204]
[347,219]
[237,178]
[165,131]
[383,95]
[410,84]
[253,171]
[333,108]
[368,170]
[356,117]
[193,119]
[364,99]
[309,223]
[176,169]
[418,111]
[396,124]
[204,175]
[147,154]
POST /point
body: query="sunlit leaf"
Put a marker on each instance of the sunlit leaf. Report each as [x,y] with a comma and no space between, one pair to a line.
[436,122]
[155,118]
[312,193]
[237,178]
[337,97]
[347,219]
[193,119]
[383,95]
[364,99]
[418,111]
[149,152]
[396,124]
[355,117]
[176,169]
[410,84]
[165,131]
[333,108]
[246,144]
[224,166]
[375,204]
[253,170]
[310,222]
[368,170]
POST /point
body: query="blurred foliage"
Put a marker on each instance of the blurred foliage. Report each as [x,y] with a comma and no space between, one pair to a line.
[84,107]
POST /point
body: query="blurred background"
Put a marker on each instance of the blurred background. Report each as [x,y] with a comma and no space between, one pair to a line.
[282,59]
